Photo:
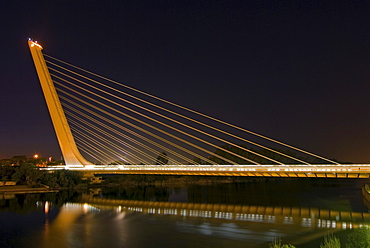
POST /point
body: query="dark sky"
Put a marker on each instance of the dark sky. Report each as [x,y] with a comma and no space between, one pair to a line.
[297,71]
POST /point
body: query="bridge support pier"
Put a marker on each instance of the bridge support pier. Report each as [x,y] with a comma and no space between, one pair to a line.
[91,178]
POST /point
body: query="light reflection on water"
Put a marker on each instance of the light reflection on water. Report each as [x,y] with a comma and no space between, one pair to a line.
[255,230]
[76,227]
[106,220]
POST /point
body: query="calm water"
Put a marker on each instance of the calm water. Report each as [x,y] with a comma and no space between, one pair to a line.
[224,215]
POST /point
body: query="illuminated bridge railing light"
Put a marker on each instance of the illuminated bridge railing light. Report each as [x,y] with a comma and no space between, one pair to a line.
[327,223]
[223,215]
[306,222]
[170,211]
[288,220]
[151,211]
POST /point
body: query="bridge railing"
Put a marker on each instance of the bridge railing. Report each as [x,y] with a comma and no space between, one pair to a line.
[271,168]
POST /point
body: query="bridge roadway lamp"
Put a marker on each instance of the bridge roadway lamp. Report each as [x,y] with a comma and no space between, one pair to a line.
[71,154]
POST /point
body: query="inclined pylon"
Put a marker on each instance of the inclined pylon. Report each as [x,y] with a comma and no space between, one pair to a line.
[71,154]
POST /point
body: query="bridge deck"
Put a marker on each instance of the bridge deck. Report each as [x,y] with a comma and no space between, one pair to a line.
[314,171]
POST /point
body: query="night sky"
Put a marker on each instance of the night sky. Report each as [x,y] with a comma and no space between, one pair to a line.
[296,71]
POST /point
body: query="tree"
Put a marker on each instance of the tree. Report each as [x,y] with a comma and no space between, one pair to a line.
[330,242]
[19,160]
[359,238]
[277,244]
[6,172]
[162,159]
[28,173]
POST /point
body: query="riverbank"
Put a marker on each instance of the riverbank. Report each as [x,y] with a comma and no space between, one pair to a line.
[23,189]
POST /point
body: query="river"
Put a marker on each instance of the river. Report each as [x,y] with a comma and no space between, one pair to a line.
[246,214]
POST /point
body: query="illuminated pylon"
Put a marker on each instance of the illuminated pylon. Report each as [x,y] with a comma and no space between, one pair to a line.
[63,132]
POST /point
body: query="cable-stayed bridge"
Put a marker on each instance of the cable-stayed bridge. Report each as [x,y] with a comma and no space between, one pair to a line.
[104,126]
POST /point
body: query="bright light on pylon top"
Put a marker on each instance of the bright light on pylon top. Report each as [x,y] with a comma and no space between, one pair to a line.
[34,43]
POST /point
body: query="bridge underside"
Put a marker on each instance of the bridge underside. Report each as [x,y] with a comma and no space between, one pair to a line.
[233,173]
